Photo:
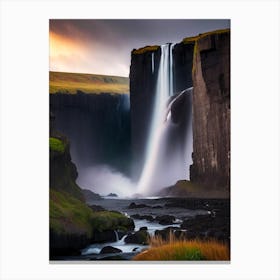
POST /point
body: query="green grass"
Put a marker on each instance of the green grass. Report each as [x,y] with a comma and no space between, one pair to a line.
[110,220]
[193,39]
[70,83]
[71,215]
[68,214]
[145,49]
[57,145]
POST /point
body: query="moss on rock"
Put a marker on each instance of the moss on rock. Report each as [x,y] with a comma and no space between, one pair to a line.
[57,145]
[145,49]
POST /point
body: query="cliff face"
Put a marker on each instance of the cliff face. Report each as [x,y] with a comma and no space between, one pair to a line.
[211,111]
[182,66]
[97,126]
[143,79]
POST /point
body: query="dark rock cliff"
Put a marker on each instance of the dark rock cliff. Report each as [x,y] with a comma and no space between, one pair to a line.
[143,79]
[97,125]
[211,111]
[182,66]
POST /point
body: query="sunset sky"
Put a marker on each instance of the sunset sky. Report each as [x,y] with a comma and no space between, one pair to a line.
[104,46]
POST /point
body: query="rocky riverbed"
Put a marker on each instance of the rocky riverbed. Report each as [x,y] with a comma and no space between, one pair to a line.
[184,217]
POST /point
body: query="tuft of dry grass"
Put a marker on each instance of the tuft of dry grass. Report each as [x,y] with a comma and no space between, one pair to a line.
[180,249]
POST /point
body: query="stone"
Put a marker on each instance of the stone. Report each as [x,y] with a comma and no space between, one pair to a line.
[109,250]
[165,219]
[139,237]
[211,112]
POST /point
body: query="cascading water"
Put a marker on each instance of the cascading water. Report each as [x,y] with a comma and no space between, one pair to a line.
[166,156]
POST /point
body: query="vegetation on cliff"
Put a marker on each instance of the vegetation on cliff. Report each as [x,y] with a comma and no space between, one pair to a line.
[63,172]
[71,83]
[145,49]
[70,215]
[57,145]
[72,223]
[195,39]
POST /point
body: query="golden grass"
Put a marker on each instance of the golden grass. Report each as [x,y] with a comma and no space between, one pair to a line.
[193,39]
[69,83]
[145,49]
[176,249]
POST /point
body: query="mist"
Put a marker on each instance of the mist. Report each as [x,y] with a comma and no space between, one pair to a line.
[103,180]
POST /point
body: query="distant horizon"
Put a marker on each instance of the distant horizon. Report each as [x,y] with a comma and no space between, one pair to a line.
[103,47]
[97,74]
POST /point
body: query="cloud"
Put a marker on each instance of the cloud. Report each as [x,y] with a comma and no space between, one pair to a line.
[104,46]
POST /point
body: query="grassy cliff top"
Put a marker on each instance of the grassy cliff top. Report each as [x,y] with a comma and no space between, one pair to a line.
[145,49]
[193,39]
[70,83]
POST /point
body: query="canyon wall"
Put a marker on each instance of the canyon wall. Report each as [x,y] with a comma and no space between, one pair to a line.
[143,79]
[211,111]
[97,126]
[203,62]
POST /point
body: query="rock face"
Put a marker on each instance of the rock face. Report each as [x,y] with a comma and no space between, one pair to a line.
[182,66]
[211,111]
[143,79]
[63,172]
[143,82]
[92,122]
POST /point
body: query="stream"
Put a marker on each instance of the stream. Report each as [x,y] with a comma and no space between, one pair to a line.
[153,207]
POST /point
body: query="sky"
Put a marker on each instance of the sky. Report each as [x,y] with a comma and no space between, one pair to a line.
[104,46]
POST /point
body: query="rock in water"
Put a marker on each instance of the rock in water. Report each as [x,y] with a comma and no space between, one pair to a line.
[109,250]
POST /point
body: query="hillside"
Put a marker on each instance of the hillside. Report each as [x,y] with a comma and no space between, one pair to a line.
[62,82]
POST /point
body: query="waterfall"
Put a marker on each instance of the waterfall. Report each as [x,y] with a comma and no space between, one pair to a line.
[169,144]
[164,90]
[116,235]
[153,62]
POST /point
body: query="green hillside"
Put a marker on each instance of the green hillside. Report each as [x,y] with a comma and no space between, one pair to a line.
[70,83]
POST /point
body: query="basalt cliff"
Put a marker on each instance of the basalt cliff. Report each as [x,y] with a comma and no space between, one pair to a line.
[201,62]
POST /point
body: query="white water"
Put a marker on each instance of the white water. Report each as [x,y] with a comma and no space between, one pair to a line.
[163,92]
[153,63]
[120,244]
[164,164]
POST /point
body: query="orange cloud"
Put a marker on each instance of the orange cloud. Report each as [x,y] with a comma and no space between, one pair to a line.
[73,54]
[60,45]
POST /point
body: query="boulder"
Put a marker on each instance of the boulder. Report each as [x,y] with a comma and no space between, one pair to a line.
[143,217]
[165,219]
[104,236]
[109,250]
[133,205]
[139,237]
[143,228]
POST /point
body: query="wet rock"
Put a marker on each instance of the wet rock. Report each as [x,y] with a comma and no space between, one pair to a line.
[165,219]
[109,250]
[133,205]
[143,228]
[143,217]
[104,236]
[112,195]
[165,233]
[97,208]
[139,237]
[157,207]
